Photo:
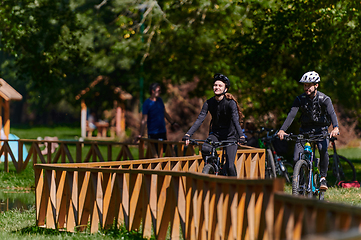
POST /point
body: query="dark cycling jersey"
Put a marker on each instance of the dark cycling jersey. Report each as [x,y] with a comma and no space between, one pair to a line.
[315,113]
[225,119]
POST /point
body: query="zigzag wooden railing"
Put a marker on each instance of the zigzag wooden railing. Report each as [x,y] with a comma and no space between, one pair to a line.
[150,148]
[147,196]
[297,217]
[156,194]
[62,154]
[252,158]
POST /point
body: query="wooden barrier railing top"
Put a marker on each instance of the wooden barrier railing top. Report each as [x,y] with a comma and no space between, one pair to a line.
[249,164]
[194,205]
[153,149]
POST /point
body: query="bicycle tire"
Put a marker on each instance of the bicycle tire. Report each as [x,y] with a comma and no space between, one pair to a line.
[271,168]
[288,173]
[346,170]
[321,195]
[208,169]
[300,178]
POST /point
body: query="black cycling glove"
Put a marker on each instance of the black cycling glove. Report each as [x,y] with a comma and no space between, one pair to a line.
[185,137]
[242,140]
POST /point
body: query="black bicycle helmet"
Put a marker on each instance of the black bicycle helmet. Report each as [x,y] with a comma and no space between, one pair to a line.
[223,78]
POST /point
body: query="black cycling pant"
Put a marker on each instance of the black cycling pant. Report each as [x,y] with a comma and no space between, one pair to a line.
[322,149]
[231,151]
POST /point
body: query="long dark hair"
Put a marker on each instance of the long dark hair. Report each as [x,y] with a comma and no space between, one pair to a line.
[241,116]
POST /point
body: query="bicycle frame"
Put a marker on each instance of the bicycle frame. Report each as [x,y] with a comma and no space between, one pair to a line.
[276,161]
[214,159]
[308,155]
[336,160]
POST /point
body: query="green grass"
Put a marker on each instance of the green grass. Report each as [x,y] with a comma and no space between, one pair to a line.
[16,224]
[62,132]
[350,196]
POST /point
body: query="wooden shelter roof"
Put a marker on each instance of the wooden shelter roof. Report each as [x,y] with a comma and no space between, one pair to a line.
[7,92]
[118,91]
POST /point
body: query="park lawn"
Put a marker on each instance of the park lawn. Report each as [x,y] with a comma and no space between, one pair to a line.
[16,224]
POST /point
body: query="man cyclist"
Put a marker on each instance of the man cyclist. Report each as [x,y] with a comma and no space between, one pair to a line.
[225,124]
[317,113]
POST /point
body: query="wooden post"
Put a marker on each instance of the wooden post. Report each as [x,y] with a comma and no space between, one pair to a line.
[83,118]
[118,120]
[1,112]
[7,118]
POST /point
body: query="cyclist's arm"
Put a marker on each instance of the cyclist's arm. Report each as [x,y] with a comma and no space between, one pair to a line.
[331,112]
[202,115]
[291,115]
[235,119]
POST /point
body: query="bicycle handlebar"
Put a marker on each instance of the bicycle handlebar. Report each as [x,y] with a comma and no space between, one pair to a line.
[218,144]
[310,137]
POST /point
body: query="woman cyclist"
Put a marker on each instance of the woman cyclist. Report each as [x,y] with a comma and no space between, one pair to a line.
[225,123]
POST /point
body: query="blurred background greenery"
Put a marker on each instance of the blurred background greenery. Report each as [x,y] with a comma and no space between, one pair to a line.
[52,50]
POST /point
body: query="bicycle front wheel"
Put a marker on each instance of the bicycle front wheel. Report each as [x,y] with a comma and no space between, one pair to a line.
[346,170]
[300,178]
[208,169]
[270,168]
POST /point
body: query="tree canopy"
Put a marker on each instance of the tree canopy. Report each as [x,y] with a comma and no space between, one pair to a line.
[59,47]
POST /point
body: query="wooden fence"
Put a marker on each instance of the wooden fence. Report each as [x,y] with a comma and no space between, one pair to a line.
[161,195]
[153,196]
[297,217]
[249,161]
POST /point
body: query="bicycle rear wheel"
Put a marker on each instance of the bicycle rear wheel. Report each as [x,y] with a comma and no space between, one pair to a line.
[288,173]
[270,168]
[208,169]
[346,170]
[300,178]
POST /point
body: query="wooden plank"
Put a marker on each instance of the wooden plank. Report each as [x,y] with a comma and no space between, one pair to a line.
[41,192]
[149,204]
[51,210]
[61,196]
[85,198]
[72,216]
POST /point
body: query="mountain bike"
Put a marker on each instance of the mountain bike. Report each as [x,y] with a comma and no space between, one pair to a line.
[306,175]
[213,163]
[275,163]
[339,167]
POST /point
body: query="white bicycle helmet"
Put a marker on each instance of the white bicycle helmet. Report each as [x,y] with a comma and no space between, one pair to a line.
[310,77]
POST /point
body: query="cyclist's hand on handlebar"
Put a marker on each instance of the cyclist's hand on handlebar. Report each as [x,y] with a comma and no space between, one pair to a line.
[281,134]
[186,139]
[242,140]
[334,132]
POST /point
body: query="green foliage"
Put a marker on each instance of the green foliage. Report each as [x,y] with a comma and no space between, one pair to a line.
[293,38]
[263,46]
[43,36]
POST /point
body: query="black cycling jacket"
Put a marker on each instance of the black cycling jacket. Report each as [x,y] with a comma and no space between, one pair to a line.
[315,113]
[225,119]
